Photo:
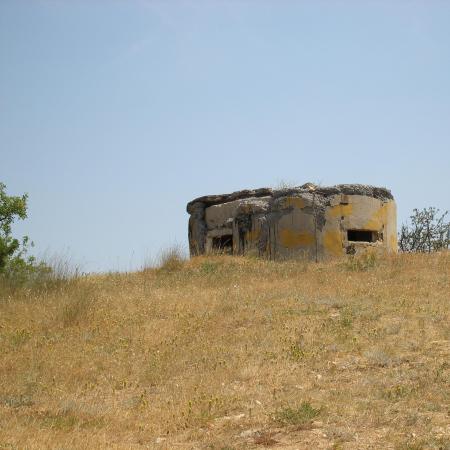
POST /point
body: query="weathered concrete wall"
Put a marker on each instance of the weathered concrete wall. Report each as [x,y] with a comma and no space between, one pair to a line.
[308,221]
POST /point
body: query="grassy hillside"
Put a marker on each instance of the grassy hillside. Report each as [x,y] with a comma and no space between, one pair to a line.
[230,353]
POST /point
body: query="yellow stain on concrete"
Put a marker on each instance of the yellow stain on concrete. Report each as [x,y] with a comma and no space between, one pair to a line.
[332,241]
[379,217]
[393,243]
[296,202]
[291,239]
[340,210]
[253,235]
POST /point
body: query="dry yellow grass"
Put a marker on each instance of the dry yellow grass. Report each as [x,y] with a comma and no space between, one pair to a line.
[229,353]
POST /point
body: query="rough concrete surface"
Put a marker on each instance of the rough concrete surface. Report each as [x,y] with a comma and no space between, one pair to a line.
[315,222]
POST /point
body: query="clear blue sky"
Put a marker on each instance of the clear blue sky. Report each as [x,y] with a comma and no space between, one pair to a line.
[114,114]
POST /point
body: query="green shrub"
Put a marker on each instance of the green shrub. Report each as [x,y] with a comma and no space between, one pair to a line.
[300,415]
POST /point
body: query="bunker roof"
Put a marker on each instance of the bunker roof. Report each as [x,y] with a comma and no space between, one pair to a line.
[380,193]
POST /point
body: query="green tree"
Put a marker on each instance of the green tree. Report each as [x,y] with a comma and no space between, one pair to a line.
[12,251]
[428,232]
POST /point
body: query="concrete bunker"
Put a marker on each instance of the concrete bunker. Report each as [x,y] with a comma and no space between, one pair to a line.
[310,221]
